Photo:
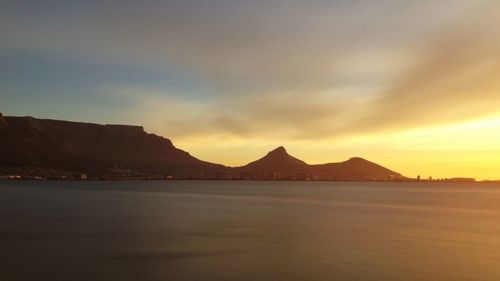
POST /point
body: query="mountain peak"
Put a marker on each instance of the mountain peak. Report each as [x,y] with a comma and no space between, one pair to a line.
[278,151]
[277,160]
[356,159]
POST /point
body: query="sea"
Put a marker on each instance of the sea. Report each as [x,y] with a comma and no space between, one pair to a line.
[249,230]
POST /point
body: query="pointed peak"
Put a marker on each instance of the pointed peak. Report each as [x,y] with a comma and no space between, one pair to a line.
[279,150]
[277,159]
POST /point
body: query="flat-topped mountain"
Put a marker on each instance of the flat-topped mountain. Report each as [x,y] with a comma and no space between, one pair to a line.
[92,148]
[46,147]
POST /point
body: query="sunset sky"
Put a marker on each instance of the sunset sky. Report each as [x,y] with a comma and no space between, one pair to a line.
[412,85]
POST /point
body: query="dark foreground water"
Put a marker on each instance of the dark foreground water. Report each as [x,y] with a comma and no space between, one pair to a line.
[209,230]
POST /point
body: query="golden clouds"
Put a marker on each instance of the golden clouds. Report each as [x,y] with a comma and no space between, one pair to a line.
[297,73]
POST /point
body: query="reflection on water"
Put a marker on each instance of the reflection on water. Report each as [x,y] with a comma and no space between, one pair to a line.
[197,230]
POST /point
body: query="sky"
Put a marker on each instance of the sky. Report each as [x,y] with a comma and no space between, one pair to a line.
[412,85]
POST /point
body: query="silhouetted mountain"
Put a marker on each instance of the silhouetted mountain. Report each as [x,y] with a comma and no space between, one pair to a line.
[37,146]
[26,141]
[277,160]
[355,168]
[278,164]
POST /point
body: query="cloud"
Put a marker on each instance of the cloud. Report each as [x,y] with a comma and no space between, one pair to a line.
[456,79]
[286,45]
[284,69]
[271,116]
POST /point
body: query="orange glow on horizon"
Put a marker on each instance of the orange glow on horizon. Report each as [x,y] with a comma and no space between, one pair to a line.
[468,149]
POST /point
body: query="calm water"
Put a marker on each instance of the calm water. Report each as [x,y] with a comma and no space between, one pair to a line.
[197,230]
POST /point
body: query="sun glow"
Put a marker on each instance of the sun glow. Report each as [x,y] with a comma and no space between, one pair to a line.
[468,149]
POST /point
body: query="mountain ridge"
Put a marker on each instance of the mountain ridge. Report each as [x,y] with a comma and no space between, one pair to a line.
[279,164]
[31,145]
[88,147]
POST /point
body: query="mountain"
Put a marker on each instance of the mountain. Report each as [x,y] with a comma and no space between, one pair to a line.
[92,148]
[50,148]
[278,164]
[277,160]
[355,168]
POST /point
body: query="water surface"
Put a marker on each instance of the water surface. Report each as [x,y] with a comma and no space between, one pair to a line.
[237,230]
